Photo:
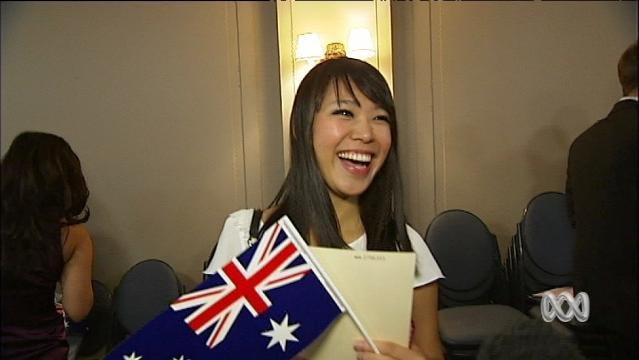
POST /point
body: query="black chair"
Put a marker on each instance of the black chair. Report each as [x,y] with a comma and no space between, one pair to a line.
[541,255]
[145,291]
[540,258]
[472,296]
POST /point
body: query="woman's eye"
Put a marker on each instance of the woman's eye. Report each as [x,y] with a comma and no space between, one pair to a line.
[343,112]
[382,118]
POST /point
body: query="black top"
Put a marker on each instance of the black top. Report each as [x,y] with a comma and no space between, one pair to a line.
[32,328]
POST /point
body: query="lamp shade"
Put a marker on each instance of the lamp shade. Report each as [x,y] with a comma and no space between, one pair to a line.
[308,47]
[360,44]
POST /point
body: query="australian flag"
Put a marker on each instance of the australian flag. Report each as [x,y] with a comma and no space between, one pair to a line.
[268,303]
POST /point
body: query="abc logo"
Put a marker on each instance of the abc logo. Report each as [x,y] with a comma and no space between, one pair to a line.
[553,306]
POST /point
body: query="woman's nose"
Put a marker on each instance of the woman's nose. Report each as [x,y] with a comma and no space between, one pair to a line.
[362,130]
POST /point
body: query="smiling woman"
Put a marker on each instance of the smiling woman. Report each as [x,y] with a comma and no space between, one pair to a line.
[351,138]
[343,188]
[343,105]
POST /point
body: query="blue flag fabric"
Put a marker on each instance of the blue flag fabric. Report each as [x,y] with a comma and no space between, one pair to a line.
[268,303]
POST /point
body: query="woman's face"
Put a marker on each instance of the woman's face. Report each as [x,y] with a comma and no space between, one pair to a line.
[351,141]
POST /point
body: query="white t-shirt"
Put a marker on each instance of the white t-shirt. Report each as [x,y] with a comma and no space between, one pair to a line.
[235,235]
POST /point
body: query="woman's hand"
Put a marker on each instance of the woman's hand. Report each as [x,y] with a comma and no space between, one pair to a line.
[388,350]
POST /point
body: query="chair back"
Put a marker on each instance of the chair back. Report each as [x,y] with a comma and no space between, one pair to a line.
[548,240]
[145,291]
[540,256]
[468,255]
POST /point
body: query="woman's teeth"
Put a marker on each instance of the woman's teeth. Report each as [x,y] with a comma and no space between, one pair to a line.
[353,156]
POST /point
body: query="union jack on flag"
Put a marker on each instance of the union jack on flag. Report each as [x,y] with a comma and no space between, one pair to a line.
[268,303]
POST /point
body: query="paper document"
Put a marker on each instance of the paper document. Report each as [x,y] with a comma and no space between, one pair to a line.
[378,286]
[556,291]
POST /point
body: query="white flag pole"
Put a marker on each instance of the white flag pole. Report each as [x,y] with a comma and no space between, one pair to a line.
[326,281]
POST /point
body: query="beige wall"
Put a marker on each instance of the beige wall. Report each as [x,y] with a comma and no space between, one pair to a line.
[493,94]
[173,109]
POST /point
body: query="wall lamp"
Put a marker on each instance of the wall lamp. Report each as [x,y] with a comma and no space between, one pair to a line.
[360,46]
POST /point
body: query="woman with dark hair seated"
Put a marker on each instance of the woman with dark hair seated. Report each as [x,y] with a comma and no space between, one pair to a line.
[44,197]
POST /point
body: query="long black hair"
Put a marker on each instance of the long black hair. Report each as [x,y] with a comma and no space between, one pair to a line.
[304,196]
[43,189]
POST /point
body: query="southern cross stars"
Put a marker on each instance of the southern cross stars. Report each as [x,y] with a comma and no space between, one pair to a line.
[132,357]
[281,333]
[139,357]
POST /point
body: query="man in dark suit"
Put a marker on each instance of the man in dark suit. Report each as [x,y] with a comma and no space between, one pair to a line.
[602,196]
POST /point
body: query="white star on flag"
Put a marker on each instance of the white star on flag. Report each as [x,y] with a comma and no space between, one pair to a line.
[281,333]
[181,358]
[132,357]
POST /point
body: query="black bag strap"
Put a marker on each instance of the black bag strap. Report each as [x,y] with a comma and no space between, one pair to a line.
[255,226]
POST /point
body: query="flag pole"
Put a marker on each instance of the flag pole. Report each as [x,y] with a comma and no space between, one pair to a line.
[332,289]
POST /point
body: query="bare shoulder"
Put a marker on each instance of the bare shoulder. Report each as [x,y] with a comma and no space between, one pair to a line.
[76,237]
[78,233]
